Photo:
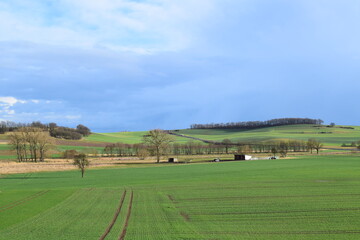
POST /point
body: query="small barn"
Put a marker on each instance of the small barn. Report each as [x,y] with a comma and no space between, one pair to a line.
[242,157]
[172,160]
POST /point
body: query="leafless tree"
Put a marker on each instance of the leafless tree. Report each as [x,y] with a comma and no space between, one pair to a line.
[158,142]
[81,162]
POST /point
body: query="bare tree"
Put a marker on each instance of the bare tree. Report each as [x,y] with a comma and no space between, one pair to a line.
[81,162]
[274,150]
[283,148]
[317,146]
[158,141]
[44,143]
[142,153]
[244,149]
[227,143]
[18,144]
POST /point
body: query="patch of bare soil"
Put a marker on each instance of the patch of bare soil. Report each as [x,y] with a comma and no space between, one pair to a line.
[185,216]
[11,167]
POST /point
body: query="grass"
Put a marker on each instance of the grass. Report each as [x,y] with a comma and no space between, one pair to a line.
[309,197]
[123,137]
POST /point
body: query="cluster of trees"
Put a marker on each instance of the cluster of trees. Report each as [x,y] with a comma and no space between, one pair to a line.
[258,124]
[69,133]
[314,144]
[9,126]
[30,143]
[53,129]
[122,149]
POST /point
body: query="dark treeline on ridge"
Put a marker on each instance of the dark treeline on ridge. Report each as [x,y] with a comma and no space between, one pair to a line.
[258,124]
[53,129]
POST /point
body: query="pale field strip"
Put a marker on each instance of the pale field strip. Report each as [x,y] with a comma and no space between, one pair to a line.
[52,165]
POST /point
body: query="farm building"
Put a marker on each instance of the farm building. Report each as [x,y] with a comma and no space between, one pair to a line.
[172,160]
[242,157]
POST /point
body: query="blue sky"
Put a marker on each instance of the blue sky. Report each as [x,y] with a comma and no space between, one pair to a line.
[117,65]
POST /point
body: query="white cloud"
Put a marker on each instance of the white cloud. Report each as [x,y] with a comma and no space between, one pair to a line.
[10,101]
[141,27]
[7,102]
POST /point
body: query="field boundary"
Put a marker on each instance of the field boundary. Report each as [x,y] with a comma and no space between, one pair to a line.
[22,201]
[123,233]
[117,212]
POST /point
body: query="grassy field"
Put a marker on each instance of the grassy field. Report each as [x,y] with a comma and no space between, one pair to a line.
[309,197]
[334,136]
[123,137]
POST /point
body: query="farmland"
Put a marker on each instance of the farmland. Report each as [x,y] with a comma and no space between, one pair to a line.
[124,137]
[332,136]
[308,197]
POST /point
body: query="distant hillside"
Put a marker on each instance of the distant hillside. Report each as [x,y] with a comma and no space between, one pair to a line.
[123,137]
[258,124]
[335,136]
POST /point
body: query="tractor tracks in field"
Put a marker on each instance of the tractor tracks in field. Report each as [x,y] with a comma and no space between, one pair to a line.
[22,201]
[123,233]
[116,215]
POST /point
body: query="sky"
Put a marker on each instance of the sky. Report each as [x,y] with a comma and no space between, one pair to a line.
[129,65]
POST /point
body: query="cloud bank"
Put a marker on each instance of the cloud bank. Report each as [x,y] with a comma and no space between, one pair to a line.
[137,65]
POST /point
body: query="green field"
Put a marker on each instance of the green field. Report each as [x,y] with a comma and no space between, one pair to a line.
[123,137]
[313,197]
[334,136]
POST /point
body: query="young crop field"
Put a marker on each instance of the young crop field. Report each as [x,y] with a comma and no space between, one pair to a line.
[123,137]
[308,197]
[332,136]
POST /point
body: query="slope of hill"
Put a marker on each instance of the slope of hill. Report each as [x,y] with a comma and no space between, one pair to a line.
[123,137]
[334,136]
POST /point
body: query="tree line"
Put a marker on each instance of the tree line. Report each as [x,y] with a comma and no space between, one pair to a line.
[258,124]
[156,146]
[53,129]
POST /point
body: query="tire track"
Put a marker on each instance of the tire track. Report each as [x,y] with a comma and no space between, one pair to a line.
[22,201]
[123,233]
[114,218]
